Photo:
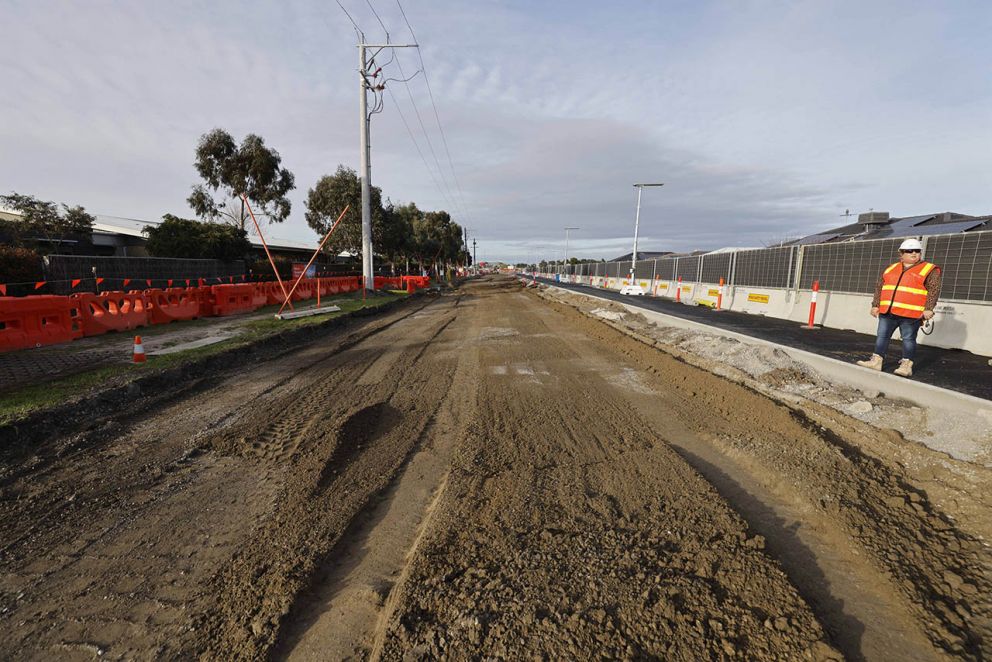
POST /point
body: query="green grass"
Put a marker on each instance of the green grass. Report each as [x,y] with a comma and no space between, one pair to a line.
[15,405]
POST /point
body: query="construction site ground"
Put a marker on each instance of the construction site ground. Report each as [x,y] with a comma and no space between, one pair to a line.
[493,473]
[953,369]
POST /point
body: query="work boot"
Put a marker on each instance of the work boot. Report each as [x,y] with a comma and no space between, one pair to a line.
[875,362]
[905,368]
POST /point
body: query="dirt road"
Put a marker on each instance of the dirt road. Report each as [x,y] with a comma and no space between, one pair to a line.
[479,474]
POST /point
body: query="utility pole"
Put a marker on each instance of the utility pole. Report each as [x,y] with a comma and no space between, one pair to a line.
[475,258]
[365,172]
[637,223]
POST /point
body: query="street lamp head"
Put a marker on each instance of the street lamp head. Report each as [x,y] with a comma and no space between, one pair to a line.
[646,185]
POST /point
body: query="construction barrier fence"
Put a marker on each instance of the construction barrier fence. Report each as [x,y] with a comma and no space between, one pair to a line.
[845,267]
[37,320]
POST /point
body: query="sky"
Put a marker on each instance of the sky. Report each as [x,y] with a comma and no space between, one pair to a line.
[764,120]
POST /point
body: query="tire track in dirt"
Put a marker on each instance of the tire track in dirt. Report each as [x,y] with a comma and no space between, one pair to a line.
[848,500]
[145,516]
[341,462]
[344,612]
[568,529]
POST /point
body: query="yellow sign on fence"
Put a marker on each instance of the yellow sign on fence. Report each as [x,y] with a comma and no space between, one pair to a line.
[714,293]
[758,298]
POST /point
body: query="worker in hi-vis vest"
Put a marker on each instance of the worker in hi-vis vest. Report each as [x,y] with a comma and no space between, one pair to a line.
[905,296]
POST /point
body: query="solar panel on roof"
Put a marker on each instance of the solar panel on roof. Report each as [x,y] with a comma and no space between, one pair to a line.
[817,239]
[942,228]
[914,220]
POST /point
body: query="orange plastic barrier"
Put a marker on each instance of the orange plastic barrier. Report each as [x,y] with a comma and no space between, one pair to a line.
[48,319]
[304,290]
[171,305]
[204,298]
[273,293]
[111,311]
[392,283]
[418,282]
[34,321]
[233,299]
[260,294]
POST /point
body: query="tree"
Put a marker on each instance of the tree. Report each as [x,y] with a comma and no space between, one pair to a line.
[230,171]
[185,238]
[396,242]
[329,196]
[437,240]
[44,222]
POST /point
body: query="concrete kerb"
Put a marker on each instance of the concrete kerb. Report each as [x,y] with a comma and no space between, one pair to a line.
[849,374]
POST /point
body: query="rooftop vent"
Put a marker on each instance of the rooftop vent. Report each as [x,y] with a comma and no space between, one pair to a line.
[874,218]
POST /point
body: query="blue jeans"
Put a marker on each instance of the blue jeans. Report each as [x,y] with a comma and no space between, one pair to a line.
[887,324]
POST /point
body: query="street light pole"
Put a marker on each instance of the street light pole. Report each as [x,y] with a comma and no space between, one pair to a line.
[637,223]
[566,245]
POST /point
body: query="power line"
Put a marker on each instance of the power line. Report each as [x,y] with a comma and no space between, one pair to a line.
[427,166]
[427,138]
[376,14]
[440,180]
[357,29]
[437,116]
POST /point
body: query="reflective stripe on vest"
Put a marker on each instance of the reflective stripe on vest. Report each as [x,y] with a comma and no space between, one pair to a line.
[904,290]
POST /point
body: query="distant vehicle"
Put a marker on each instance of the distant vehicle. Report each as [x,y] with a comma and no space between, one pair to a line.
[632,290]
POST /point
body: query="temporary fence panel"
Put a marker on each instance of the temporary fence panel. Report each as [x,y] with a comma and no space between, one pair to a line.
[966,264]
[765,267]
[665,268]
[715,266]
[62,269]
[644,269]
[849,266]
[687,268]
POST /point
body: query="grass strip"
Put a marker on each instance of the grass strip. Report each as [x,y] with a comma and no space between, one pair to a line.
[19,403]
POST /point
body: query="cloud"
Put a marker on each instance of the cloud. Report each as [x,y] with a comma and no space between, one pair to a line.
[764,120]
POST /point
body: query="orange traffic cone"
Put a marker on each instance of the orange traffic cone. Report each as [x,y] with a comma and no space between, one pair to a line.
[139,350]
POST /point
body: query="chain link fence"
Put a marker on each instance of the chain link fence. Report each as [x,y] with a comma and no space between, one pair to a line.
[851,266]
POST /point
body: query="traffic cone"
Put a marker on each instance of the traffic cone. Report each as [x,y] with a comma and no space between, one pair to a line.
[139,350]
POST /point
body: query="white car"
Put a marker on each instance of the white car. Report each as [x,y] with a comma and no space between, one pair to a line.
[633,290]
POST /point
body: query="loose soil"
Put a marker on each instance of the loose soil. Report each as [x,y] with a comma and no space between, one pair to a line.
[483,474]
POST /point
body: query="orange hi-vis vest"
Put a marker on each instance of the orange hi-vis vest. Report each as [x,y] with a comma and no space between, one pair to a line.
[904,291]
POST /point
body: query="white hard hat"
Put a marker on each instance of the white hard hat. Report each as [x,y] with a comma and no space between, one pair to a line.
[911,245]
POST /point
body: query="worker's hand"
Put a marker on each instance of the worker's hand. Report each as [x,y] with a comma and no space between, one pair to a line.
[928,314]
[874,311]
